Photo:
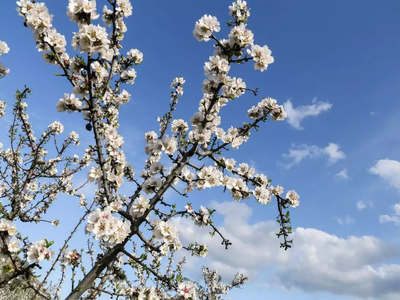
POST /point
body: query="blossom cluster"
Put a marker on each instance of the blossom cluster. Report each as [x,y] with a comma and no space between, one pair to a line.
[56,128]
[79,10]
[199,249]
[149,293]
[3,50]
[168,233]
[92,39]
[38,251]
[293,198]
[266,106]
[208,177]
[205,27]
[215,286]
[139,207]
[7,230]
[155,147]
[179,125]
[3,106]
[69,103]
[239,37]
[239,11]
[48,40]
[104,112]
[201,219]
[261,56]
[107,227]
[177,84]
[232,136]
[187,290]
[72,257]
[8,226]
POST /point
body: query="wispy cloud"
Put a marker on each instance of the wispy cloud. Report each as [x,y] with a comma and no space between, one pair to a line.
[296,115]
[345,221]
[298,153]
[252,164]
[389,219]
[361,204]
[342,174]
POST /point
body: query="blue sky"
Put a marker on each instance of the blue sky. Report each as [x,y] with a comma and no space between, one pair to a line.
[336,61]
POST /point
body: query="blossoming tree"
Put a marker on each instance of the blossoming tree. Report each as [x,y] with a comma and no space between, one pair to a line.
[134,234]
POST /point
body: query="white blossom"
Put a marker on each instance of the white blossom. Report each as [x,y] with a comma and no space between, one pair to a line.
[69,103]
[13,246]
[262,195]
[204,28]
[129,76]
[3,106]
[170,144]
[241,36]
[187,290]
[38,251]
[135,55]
[3,48]
[139,207]
[261,56]
[239,10]
[167,232]
[179,125]
[79,9]
[56,128]
[91,39]
[279,113]
[107,227]
[3,70]
[125,7]
[151,185]
[293,198]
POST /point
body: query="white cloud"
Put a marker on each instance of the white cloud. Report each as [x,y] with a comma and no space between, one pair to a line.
[389,219]
[342,174]
[296,115]
[319,261]
[388,170]
[347,220]
[334,154]
[298,153]
[301,152]
[393,218]
[396,208]
[361,205]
